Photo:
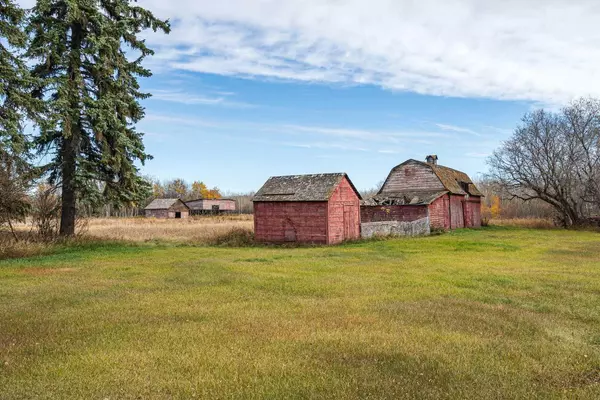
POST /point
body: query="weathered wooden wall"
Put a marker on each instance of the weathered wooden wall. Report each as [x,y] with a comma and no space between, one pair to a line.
[439,213]
[170,213]
[156,213]
[473,212]
[456,212]
[412,177]
[344,214]
[280,222]
[224,204]
[405,213]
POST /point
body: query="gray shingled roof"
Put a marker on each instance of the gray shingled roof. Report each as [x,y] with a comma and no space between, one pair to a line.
[161,204]
[317,187]
[404,198]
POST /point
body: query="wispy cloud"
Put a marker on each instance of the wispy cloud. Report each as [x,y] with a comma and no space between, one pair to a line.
[468,48]
[195,99]
[310,136]
[324,145]
[459,129]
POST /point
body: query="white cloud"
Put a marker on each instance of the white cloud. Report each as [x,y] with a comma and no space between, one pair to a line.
[539,50]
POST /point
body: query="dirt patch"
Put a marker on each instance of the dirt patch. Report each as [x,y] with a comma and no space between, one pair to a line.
[47,271]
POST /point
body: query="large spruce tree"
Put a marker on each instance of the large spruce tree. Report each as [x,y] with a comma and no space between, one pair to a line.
[89,56]
[15,86]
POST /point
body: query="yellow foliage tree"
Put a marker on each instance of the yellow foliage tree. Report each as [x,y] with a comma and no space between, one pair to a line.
[158,190]
[201,191]
[491,209]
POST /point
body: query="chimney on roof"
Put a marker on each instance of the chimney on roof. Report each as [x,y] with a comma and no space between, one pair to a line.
[432,159]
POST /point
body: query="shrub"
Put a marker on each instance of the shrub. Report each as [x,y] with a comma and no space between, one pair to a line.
[236,237]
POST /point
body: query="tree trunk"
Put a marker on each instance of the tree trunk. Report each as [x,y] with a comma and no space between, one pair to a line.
[69,196]
[70,145]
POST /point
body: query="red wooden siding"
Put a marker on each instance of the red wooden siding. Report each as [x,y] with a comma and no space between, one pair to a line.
[207,204]
[344,214]
[473,212]
[392,213]
[169,213]
[412,177]
[456,212]
[439,216]
[279,222]
[459,213]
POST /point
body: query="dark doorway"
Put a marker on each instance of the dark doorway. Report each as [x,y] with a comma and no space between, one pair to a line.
[178,215]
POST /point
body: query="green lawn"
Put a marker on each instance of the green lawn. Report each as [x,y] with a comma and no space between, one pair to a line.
[488,314]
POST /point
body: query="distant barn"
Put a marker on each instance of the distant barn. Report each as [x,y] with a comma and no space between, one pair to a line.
[167,208]
[211,206]
[323,208]
[419,196]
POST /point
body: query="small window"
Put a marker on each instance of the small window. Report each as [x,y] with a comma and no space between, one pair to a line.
[464,186]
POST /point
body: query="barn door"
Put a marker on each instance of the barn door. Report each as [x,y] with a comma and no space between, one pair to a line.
[349,223]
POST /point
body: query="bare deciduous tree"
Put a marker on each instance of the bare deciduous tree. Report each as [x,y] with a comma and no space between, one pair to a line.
[46,211]
[555,157]
[14,183]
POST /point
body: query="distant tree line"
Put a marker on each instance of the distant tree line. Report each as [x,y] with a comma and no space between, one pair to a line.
[180,189]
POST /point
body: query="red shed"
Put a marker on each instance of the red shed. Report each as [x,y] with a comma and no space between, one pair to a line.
[323,208]
[415,191]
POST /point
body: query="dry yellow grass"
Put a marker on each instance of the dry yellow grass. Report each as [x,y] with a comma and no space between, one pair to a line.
[532,223]
[192,230]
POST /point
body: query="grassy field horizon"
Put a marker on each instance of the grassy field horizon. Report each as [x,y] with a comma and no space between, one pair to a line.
[500,312]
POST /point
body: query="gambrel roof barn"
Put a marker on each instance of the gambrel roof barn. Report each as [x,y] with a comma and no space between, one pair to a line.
[448,197]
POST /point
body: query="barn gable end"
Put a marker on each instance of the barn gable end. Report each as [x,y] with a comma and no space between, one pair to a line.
[412,176]
[321,208]
[167,208]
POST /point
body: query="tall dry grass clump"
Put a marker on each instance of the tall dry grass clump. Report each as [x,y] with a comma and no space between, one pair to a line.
[195,230]
[530,223]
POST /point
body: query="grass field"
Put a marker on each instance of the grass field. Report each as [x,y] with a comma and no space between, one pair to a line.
[498,313]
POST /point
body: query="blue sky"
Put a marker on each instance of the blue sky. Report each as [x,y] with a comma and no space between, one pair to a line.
[236,132]
[246,89]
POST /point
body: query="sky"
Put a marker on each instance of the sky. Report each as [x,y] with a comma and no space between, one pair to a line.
[247,89]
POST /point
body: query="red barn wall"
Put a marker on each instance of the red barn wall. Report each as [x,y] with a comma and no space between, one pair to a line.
[473,212]
[343,214]
[456,211]
[170,213]
[224,205]
[439,213]
[280,222]
[405,213]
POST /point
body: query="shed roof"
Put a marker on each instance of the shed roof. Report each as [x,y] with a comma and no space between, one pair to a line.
[450,178]
[193,201]
[414,198]
[318,187]
[162,204]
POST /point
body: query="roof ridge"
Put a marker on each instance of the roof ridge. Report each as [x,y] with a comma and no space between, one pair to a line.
[318,174]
